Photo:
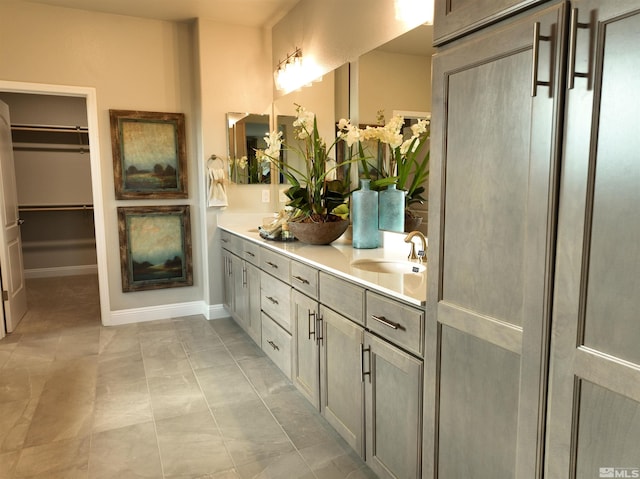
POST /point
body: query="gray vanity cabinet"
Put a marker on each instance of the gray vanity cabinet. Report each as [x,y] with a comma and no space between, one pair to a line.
[393,392]
[497,101]
[249,299]
[341,377]
[305,359]
[229,281]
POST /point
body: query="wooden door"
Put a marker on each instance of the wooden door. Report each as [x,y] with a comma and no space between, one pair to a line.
[594,408]
[393,390]
[342,380]
[493,181]
[14,290]
[306,356]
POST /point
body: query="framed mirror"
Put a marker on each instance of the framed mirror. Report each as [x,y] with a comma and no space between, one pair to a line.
[245,135]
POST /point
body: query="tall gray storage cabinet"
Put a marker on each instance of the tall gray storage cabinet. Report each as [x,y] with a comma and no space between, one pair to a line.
[533,365]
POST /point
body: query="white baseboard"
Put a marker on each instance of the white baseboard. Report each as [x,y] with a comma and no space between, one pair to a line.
[165,311]
[60,271]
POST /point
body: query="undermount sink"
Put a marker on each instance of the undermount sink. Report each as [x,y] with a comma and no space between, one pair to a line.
[377,265]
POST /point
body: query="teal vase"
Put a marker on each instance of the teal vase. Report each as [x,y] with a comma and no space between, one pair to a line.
[391,209]
[365,217]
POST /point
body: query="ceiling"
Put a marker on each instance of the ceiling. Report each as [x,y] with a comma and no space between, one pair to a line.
[251,13]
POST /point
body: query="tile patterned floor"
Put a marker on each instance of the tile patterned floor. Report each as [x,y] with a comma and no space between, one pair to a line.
[174,399]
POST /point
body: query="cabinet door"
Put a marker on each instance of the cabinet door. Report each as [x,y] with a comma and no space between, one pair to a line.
[493,182]
[453,19]
[228,283]
[306,359]
[594,407]
[341,383]
[240,290]
[393,392]
[253,320]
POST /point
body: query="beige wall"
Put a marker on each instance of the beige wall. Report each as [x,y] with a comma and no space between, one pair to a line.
[133,64]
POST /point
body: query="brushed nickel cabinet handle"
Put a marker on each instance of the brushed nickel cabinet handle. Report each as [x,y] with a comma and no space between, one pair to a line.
[536,55]
[250,254]
[574,24]
[273,265]
[362,371]
[312,314]
[273,345]
[385,321]
[301,279]
[274,301]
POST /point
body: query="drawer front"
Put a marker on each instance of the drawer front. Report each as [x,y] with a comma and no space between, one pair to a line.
[343,297]
[251,252]
[305,279]
[399,323]
[230,242]
[276,343]
[275,264]
[275,300]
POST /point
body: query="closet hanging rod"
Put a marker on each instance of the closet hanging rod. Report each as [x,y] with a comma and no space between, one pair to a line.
[78,149]
[56,208]
[67,129]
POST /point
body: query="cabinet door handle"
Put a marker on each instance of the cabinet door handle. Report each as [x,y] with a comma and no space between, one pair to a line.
[273,265]
[224,240]
[273,345]
[302,280]
[244,277]
[312,314]
[574,24]
[386,322]
[536,54]
[318,329]
[362,371]
[274,301]
[250,254]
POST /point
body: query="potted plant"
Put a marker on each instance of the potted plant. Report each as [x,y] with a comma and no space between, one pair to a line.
[408,165]
[311,221]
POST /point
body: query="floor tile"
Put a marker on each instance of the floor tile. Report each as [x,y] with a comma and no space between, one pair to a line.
[225,385]
[175,395]
[120,404]
[164,358]
[289,465]
[66,458]
[130,452]
[205,358]
[191,446]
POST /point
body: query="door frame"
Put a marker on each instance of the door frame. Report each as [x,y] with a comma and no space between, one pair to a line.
[89,94]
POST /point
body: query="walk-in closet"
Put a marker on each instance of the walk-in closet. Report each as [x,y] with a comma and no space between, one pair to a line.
[53,177]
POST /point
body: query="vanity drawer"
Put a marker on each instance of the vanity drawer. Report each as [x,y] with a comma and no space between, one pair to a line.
[342,296]
[251,252]
[397,322]
[275,264]
[275,300]
[231,242]
[276,344]
[304,278]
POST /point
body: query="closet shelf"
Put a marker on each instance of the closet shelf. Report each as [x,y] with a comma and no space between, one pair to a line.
[68,139]
[86,207]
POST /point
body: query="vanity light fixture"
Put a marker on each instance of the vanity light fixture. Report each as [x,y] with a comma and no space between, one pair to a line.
[294,72]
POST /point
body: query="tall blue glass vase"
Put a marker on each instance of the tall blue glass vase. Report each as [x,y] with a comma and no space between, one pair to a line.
[391,209]
[364,210]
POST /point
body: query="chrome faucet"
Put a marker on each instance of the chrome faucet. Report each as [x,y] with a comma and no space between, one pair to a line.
[422,254]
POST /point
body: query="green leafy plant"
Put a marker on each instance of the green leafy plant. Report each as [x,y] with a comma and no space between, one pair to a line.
[310,185]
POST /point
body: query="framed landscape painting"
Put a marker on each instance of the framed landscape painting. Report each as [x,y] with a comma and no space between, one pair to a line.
[149,154]
[155,247]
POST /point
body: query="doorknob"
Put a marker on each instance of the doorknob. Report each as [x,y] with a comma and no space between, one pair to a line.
[20,222]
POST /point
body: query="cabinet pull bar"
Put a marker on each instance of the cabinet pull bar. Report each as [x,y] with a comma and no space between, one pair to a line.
[573,38]
[385,321]
[250,254]
[302,280]
[274,301]
[273,345]
[244,277]
[318,329]
[362,372]
[536,55]
[273,265]
[311,314]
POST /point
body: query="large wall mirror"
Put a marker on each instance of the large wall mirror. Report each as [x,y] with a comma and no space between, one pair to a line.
[246,132]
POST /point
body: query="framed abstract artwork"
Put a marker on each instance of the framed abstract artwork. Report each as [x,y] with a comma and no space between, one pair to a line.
[155,247]
[149,154]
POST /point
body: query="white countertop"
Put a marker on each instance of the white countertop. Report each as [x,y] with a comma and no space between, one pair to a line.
[337,258]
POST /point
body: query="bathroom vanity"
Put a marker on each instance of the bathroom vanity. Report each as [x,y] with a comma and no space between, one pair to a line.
[346,326]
